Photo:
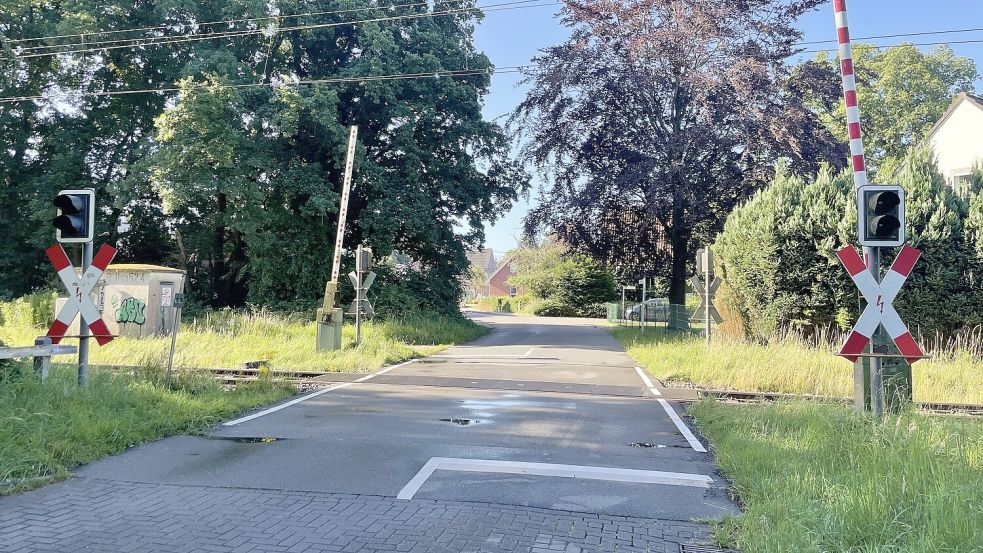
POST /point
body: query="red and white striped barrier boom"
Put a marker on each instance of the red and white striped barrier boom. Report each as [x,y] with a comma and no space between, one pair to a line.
[879,310]
[79,289]
[850,95]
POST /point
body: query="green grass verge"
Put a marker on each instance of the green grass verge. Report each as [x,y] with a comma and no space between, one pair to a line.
[46,430]
[225,339]
[788,365]
[820,477]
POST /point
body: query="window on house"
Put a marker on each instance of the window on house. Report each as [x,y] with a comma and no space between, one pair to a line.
[512,291]
[962,185]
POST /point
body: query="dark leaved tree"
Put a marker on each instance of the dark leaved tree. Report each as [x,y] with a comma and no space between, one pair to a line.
[657,117]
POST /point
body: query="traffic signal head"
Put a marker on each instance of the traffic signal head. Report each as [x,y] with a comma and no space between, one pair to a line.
[363,260]
[881,215]
[76,216]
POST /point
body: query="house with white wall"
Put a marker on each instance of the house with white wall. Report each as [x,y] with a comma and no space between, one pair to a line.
[957,139]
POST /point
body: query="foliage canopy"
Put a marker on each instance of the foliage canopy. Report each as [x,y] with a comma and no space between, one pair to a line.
[238,183]
[657,117]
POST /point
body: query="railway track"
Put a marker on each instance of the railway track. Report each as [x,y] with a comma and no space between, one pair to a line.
[305,381]
[934,408]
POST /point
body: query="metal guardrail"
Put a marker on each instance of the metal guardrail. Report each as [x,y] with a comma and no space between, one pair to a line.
[41,351]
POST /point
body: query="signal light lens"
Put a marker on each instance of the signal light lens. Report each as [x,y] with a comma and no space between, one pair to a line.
[70,225]
[885,226]
[69,204]
[882,203]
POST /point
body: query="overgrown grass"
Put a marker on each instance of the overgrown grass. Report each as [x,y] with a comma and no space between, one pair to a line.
[46,430]
[789,365]
[820,477]
[225,339]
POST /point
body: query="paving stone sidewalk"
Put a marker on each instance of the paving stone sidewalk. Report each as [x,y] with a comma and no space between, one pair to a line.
[88,514]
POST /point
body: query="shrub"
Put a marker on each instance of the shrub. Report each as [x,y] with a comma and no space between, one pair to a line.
[939,296]
[777,254]
[554,308]
[583,283]
[495,303]
[401,290]
[561,284]
[32,310]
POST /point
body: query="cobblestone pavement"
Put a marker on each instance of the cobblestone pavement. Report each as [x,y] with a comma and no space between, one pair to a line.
[89,514]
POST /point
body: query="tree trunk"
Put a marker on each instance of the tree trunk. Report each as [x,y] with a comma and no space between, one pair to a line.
[219,269]
[679,241]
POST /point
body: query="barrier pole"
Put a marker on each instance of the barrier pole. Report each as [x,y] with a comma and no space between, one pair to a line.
[859,162]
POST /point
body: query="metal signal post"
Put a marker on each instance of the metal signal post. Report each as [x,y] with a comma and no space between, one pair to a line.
[881,223]
[362,278]
[75,224]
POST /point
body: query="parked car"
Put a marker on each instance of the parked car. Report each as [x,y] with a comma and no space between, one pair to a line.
[656,310]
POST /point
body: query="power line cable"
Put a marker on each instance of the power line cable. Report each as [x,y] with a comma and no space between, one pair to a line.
[281,17]
[220,22]
[518,4]
[134,43]
[87,43]
[882,47]
[365,78]
[512,69]
[897,35]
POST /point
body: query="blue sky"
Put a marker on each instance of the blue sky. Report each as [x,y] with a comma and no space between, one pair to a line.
[512,37]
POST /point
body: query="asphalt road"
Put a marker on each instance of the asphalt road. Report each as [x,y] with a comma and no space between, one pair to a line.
[542,416]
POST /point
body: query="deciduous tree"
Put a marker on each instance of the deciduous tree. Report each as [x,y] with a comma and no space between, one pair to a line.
[902,93]
[656,117]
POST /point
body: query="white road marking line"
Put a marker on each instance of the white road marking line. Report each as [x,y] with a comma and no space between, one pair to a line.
[287,404]
[647,381]
[550,469]
[693,442]
[411,487]
[686,432]
[312,395]
[490,356]
[385,370]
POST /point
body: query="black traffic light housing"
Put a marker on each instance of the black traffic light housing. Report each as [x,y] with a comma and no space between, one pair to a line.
[881,215]
[76,218]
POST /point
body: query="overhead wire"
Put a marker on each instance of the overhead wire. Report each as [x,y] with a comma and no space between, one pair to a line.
[138,43]
[87,43]
[515,4]
[220,22]
[301,82]
[281,17]
[896,35]
[883,46]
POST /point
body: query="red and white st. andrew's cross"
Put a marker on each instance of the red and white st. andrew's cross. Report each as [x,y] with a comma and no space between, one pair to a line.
[79,288]
[879,296]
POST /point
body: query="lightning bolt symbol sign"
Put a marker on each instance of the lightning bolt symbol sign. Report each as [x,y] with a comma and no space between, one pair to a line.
[880,302]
